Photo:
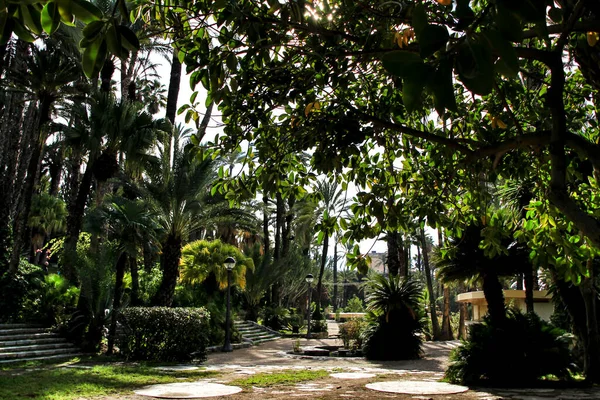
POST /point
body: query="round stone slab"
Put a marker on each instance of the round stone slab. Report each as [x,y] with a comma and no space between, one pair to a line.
[177,368]
[417,387]
[187,390]
[352,375]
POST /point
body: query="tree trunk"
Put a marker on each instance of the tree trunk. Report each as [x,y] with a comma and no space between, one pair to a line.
[135,282]
[462,315]
[393,259]
[591,365]
[74,224]
[266,241]
[121,263]
[21,234]
[435,325]
[528,277]
[169,262]
[174,84]
[335,288]
[446,327]
[321,271]
[287,227]
[494,295]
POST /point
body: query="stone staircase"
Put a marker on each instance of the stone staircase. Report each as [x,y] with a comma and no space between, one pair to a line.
[255,333]
[22,342]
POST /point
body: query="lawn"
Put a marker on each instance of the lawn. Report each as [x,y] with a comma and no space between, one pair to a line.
[281,378]
[63,383]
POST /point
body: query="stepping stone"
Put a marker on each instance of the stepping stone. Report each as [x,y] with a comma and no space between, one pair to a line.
[177,368]
[188,390]
[352,375]
[417,387]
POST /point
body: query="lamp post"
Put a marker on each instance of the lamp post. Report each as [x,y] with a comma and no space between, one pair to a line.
[309,279]
[229,264]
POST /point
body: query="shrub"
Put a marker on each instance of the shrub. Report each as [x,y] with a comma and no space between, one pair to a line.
[163,334]
[295,321]
[520,352]
[395,319]
[318,326]
[351,333]
[21,292]
[355,305]
[275,317]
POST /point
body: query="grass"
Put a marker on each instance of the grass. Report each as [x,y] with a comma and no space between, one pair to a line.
[281,378]
[58,383]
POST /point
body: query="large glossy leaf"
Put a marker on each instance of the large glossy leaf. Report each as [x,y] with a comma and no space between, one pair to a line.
[431,39]
[475,67]
[22,32]
[50,17]
[85,11]
[93,57]
[402,63]
[509,61]
[6,27]
[31,18]
[128,38]
[442,88]
[419,18]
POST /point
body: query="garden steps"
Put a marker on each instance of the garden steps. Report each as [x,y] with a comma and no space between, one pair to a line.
[255,333]
[21,342]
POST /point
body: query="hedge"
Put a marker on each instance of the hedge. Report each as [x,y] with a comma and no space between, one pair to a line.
[163,334]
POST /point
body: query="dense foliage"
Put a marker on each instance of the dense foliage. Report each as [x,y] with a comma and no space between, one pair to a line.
[163,334]
[395,326]
[521,352]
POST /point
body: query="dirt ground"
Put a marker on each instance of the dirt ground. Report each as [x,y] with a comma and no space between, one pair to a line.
[273,357]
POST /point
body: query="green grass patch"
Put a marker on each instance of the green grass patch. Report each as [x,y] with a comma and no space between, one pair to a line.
[282,378]
[57,383]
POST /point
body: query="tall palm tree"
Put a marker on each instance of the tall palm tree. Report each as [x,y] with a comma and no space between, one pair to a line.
[129,223]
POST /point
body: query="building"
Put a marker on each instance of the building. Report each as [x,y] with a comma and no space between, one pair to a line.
[542,303]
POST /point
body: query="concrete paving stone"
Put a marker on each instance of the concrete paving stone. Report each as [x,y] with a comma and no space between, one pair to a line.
[177,368]
[353,375]
[188,390]
[417,387]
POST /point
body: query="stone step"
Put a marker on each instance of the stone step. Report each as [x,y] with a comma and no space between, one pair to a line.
[35,347]
[260,337]
[42,335]
[18,326]
[53,357]
[264,340]
[250,330]
[27,342]
[35,353]
[21,331]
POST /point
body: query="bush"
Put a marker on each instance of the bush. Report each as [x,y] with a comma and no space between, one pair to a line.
[351,333]
[163,334]
[21,292]
[275,317]
[520,352]
[395,319]
[355,305]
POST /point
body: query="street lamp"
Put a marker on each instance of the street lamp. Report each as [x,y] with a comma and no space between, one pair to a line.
[309,279]
[229,264]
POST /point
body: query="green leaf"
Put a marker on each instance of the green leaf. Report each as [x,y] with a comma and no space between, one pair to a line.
[21,31]
[231,62]
[92,30]
[432,38]
[65,11]
[504,49]
[442,88]
[85,11]
[32,18]
[6,27]
[113,40]
[508,23]
[128,38]
[475,67]
[419,18]
[411,92]
[93,57]
[402,63]
[50,17]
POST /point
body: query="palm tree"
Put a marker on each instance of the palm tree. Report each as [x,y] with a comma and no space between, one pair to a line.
[201,259]
[468,261]
[394,304]
[129,223]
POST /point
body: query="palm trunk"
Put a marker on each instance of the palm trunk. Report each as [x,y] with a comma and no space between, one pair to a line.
[591,365]
[266,241]
[528,277]
[121,263]
[169,262]
[435,325]
[494,295]
[446,327]
[321,272]
[393,259]
[135,282]
[174,83]
[462,315]
[335,288]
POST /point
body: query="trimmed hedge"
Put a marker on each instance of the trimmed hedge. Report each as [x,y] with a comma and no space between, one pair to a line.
[163,334]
